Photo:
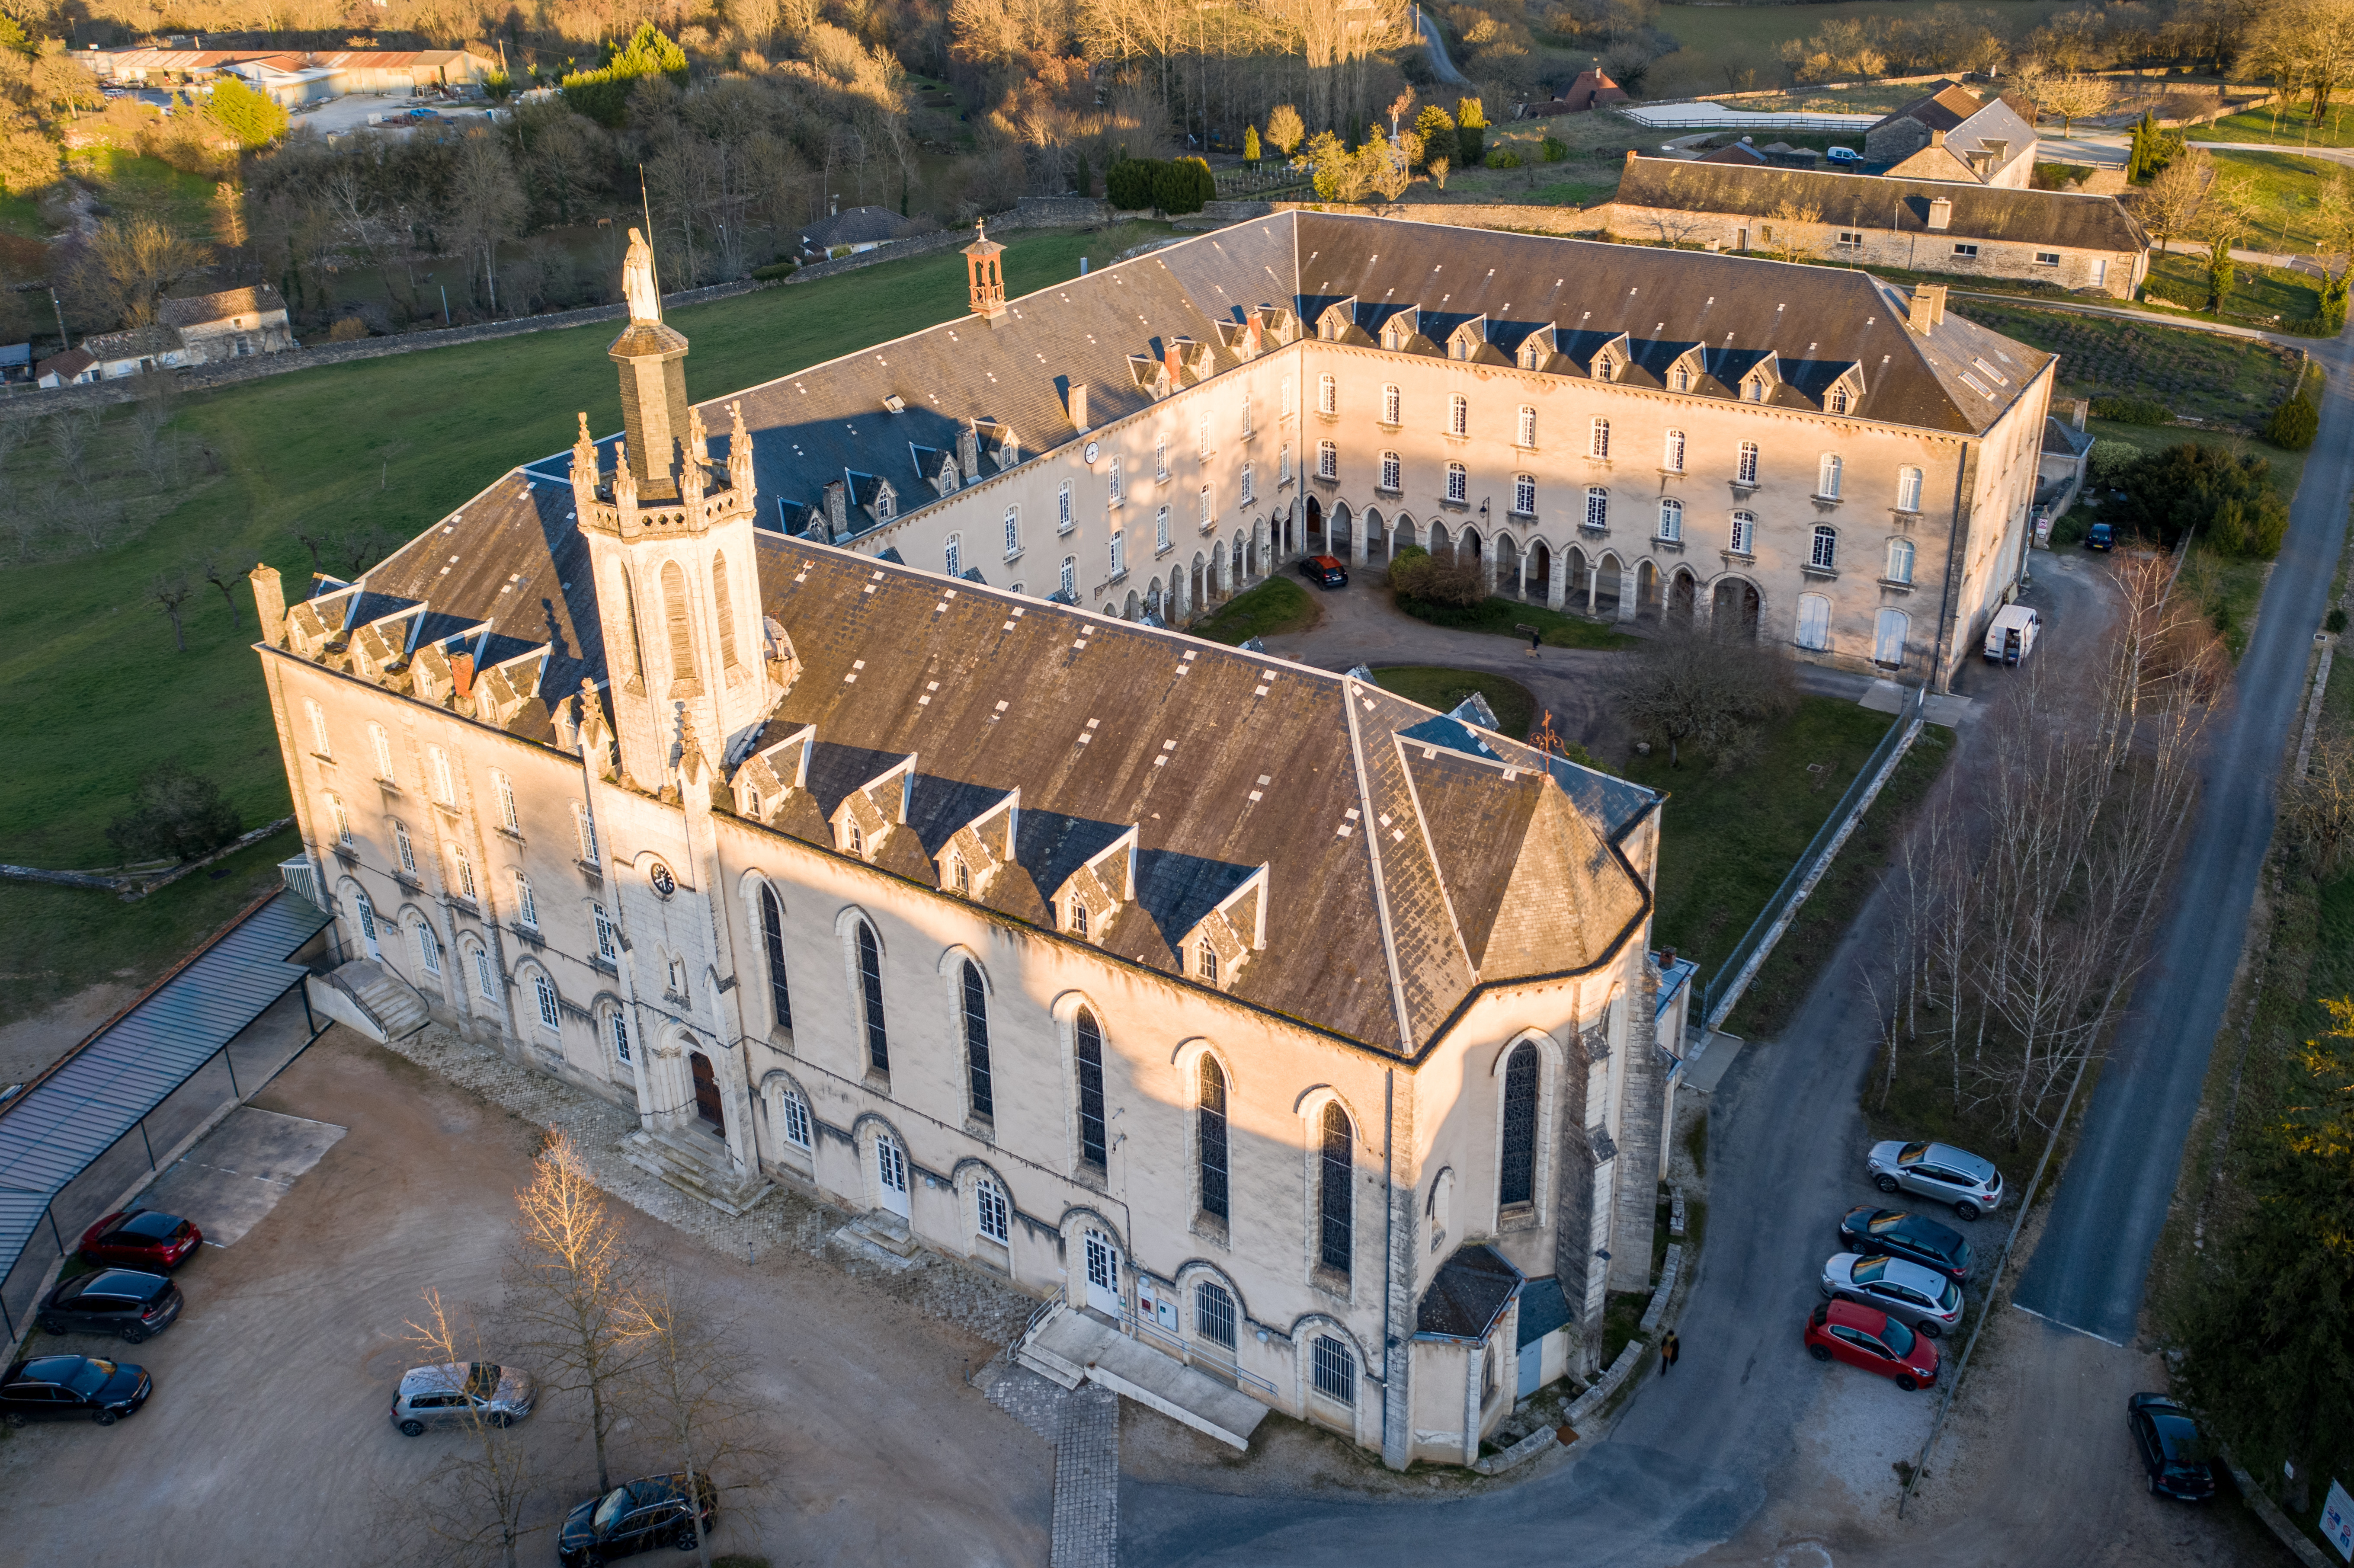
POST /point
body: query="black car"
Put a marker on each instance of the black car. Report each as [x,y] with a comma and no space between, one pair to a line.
[1893,1233]
[1325,571]
[119,1301]
[72,1388]
[2100,536]
[633,1518]
[2173,1450]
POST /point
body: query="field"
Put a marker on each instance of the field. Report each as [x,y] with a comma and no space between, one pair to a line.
[2289,125]
[1435,686]
[1729,48]
[2267,297]
[98,693]
[2288,190]
[2225,380]
[133,182]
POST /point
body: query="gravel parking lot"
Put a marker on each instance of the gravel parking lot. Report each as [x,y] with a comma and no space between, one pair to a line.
[266,1438]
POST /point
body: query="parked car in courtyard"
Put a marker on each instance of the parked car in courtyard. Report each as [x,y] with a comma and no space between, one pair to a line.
[1893,1233]
[1325,571]
[456,1393]
[1907,1292]
[72,1388]
[124,1302]
[2100,536]
[1867,1338]
[634,1518]
[1956,1176]
[142,1238]
[2174,1452]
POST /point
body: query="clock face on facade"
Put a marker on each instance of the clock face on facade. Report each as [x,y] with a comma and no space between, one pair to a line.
[1093,448]
[664,883]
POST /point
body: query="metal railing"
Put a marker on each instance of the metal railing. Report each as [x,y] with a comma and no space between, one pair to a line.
[1145,1329]
[1756,944]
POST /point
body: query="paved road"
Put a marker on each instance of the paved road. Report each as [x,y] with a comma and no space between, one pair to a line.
[1440,65]
[2088,1273]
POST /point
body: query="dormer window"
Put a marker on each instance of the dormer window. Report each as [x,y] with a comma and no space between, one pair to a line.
[964,878]
[1683,379]
[1753,390]
[1078,919]
[1838,404]
[883,498]
[1605,367]
[857,841]
[1459,347]
[1206,962]
[1531,355]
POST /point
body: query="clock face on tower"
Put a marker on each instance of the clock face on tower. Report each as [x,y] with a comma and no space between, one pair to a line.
[1092,449]
[664,883]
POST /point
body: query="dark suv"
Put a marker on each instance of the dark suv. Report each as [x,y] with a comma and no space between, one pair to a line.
[1325,571]
[633,1518]
[72,1388]
[1893,1233]
[119,1301]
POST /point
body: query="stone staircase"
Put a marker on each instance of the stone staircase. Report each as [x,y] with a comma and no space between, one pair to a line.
[703,1174]
[372,1000]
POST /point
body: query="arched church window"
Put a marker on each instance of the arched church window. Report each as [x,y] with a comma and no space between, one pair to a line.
[1517,1181]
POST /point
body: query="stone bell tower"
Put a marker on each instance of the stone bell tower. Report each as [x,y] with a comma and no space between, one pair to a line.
[669,536]
[986,273]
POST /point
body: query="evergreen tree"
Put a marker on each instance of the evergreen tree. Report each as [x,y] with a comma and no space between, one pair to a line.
[1250,146]
[1082,178]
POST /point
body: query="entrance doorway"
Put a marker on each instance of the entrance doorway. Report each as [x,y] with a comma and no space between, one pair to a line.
[1103,1275]
[368,928]
[707,1102]
[891,1173]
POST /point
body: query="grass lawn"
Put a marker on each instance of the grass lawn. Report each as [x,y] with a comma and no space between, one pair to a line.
[1728,49]
[1276,606]
[1435,686]
[1728,838]
[387,443]
[1502,615]
[2197,373]
[2288,190]
[132,182]
[2275,297]
[2288,124]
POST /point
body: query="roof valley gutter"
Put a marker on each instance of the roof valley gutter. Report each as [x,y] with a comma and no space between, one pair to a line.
[1373,856]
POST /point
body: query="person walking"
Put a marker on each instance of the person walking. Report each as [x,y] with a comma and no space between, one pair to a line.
[1668,1352]
[1535,637]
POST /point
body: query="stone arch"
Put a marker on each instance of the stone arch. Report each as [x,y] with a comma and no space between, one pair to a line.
[1130,607]
[1071,1229]
[1341,533]
[1542,567]
[1682,592]
[1734,604]
[1440,543]
[1612,594]
[1505,573]
[1377,540]
[1647,590]
[1222,582]
[1400,534]
[965,1179]
[1152,605]
[1244,568]
[1311,537]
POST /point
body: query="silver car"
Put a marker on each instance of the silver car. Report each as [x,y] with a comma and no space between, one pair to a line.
[457,1393]
[1939,1171]
[1905,1291]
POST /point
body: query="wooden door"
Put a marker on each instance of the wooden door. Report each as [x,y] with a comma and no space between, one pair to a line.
[706,1092]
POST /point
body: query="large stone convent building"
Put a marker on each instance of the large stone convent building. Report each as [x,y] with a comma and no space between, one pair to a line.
[744,770]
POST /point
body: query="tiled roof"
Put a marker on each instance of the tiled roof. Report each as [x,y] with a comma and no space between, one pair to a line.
[1467,1295]
[2064,218]
[198,310]
[133,342]
[69,365]
[859,226]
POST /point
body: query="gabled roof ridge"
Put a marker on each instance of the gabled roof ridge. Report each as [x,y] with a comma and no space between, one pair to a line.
[1437,867]
[1372,840]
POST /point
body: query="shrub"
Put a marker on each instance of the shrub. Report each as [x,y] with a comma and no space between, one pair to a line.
[1471,134]
[251,119]
[1553,148]
[1184,186]
[1128,183]
[1433,580]
[499,86]
[1503,158]
[2294,424]
[351,329]
[2132,410]
[603,94]
[2229,500]
[175,815]
[2336,623]
[776,270]
[2108,462]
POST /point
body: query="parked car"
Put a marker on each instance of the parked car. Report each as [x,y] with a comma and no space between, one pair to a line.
[142,1238]
[2173,1450]
[1913,1296]
[125,1303]
[72,1388]
[1937,1170]
[2100,536]
[454,1392]
[636,1518]
[1843,155]
[1325,571]
[1893,1233]
[1867,1338]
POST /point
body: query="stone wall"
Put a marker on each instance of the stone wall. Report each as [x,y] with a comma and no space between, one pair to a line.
[1030,212]
[1517,219]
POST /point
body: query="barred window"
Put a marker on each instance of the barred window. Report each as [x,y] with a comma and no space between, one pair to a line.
[1517,1183]
[990,1210]
[1211,1132]
[1334,1367]
[1089,1060]
[976,1040]
[1335,1205]
[772,942]
[1213,1314]
[870,988]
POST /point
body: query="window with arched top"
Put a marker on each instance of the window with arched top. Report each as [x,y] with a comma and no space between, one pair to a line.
[1900,561]
[722,610]
[1824,554]
[1205,963]
[1598,507]
[673,586]
[1335,1206]
[1671,520]
[772,946]
[542,992]
[1210,1136]
[1213,1314]
[1086,1055]
[1516,1171]
[1827,476]
[1392,404]
[1908,488]
[1744,534]
[793,1116]
[1459,415]
[1598,440]
[976,1040]
[870,996]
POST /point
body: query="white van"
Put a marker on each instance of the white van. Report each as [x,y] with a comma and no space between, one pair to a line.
[2010,635]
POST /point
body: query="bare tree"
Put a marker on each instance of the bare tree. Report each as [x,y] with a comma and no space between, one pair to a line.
[2073,98]
[133,260]
[2170,205]
[69,433]
[1709,689]
[2318,806]
[570,1278]
[168,591]
[226,578]
[472,1501]
[683,1387]
[151,420]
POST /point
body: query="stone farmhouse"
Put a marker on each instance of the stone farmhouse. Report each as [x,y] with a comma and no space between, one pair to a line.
[2086,243]
[1954,134]
[1277,1027]
[203,328]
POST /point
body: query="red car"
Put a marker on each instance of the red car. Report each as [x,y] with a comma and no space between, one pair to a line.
[140,1238]
[1845,1331]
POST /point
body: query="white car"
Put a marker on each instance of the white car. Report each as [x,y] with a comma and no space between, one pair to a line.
[1972,1185]
[1905,1291]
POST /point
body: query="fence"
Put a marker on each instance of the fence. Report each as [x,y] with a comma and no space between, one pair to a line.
[1756,945]
[1145,1329]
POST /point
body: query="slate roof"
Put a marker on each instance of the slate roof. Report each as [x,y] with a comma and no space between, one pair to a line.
[1467,1295]
[1543,1308]
[133,342]
[859,226]
[1969,122]
[2066,219]
[197,310]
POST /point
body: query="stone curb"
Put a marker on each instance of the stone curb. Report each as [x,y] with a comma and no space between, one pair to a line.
[2296,1540]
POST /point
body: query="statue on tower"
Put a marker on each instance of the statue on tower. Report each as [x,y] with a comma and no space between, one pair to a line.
[638,281]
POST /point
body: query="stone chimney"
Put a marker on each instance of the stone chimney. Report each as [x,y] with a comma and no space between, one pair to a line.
[269,602]
[1078,403]
[837,508]
[1941,213]
[462,677]
[1173,360]
[1928,306]
[1936,138]
[969,452]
